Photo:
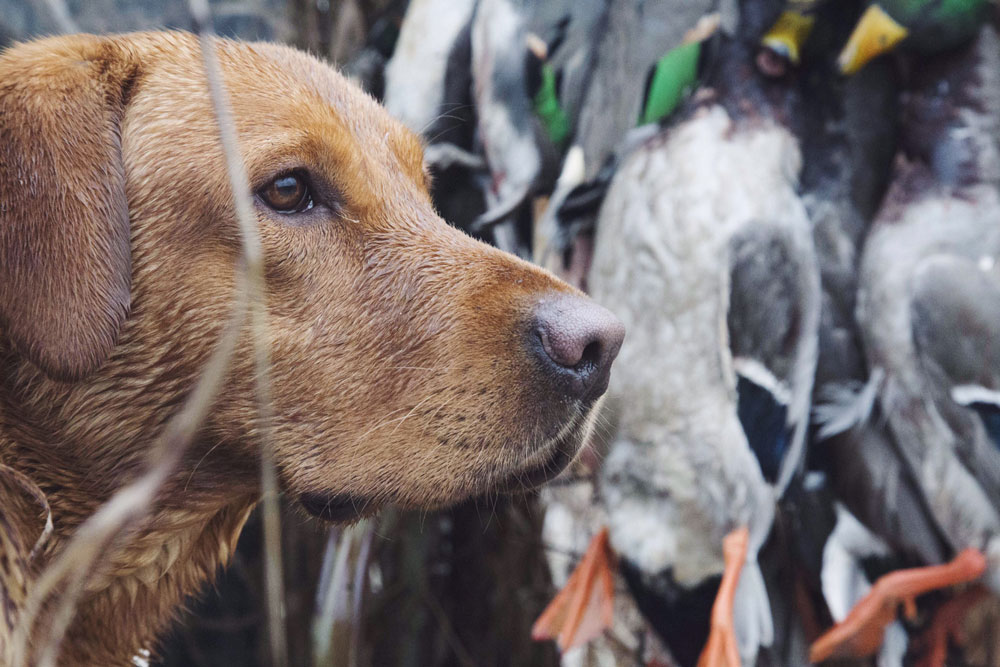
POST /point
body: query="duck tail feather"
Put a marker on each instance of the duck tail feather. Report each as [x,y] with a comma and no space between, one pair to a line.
[840,406]
[752,613]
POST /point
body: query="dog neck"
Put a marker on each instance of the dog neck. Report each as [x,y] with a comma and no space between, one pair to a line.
[149,579]
[135,588]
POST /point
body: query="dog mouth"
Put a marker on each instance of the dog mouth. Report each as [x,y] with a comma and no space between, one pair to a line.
[342,508]
[537,475]
[559,454]
[337,508]
[543,467]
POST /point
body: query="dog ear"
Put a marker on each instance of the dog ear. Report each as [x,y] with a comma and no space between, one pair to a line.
[65,259]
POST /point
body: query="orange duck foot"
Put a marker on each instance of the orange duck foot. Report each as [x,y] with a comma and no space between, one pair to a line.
[947,626]
[722,650]
[584,608]
[860,633]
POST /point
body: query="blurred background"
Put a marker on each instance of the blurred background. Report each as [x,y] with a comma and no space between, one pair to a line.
[794,205]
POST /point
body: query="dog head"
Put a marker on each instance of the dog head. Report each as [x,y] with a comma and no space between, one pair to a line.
[410,363]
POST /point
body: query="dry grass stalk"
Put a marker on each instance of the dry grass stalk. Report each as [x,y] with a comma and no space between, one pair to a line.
[254,266]
[131,503]
[35,492]
[336,630]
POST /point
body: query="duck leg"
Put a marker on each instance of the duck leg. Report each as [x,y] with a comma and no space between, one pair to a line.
[584,608]
[947,625]
[722,650]
[860,633]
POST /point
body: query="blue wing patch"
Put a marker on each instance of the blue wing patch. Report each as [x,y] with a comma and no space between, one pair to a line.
[680,616]
[764,420]
[989,413]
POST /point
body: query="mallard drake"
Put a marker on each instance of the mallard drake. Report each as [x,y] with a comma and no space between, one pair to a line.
[530,63]
[425,78]
[881,514]
[929,313]
[863,505]
[428,86]
[704,246]
[646,63]
[924,26]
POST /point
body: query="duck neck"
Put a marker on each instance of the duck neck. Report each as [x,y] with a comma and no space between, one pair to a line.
[952,114]
[745,93]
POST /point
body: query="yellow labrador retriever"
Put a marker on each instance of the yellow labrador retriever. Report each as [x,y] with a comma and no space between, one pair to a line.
[412,365]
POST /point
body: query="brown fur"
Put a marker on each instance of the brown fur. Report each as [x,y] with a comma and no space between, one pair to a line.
[399,369]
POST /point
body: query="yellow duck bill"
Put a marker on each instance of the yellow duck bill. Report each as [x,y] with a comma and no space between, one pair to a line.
[876,33]
[788,34]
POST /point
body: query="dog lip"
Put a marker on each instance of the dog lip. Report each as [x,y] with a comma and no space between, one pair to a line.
[336,507]
[549,469]
[560,458]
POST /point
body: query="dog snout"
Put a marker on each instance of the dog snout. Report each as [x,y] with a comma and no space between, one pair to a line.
[576,341]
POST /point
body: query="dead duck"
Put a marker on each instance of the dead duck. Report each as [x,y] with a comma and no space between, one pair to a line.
[427,80]
[721,293]
[428,86]
[646,62]
[880,516]
[929,313]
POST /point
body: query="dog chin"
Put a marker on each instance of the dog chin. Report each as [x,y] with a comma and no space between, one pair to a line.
[341,508]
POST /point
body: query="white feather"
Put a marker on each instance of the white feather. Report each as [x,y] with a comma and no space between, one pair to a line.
[840,406]
[967,394]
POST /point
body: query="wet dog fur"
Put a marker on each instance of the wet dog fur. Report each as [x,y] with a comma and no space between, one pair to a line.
[399,370]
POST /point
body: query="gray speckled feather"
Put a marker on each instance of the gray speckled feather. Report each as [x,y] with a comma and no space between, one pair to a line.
[764,270]
[956,320]
[955,311]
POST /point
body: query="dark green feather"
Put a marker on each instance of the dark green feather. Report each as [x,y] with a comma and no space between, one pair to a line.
[547,107]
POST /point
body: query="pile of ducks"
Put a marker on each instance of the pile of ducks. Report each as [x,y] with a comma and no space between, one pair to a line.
[794,207]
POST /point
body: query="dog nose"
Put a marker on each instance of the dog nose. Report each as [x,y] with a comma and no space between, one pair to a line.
[575,341]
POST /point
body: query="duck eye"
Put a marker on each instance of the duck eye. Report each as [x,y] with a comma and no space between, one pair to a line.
[288,193]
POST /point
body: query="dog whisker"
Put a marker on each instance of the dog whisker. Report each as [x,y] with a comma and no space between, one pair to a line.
[410,413]
[196,465]
[417,368]
[444,114]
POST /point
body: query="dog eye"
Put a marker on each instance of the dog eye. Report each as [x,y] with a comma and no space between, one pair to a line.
[288,194]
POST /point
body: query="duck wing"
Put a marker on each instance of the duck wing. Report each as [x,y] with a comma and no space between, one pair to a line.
[772,323]
[955,315]
[878,488]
